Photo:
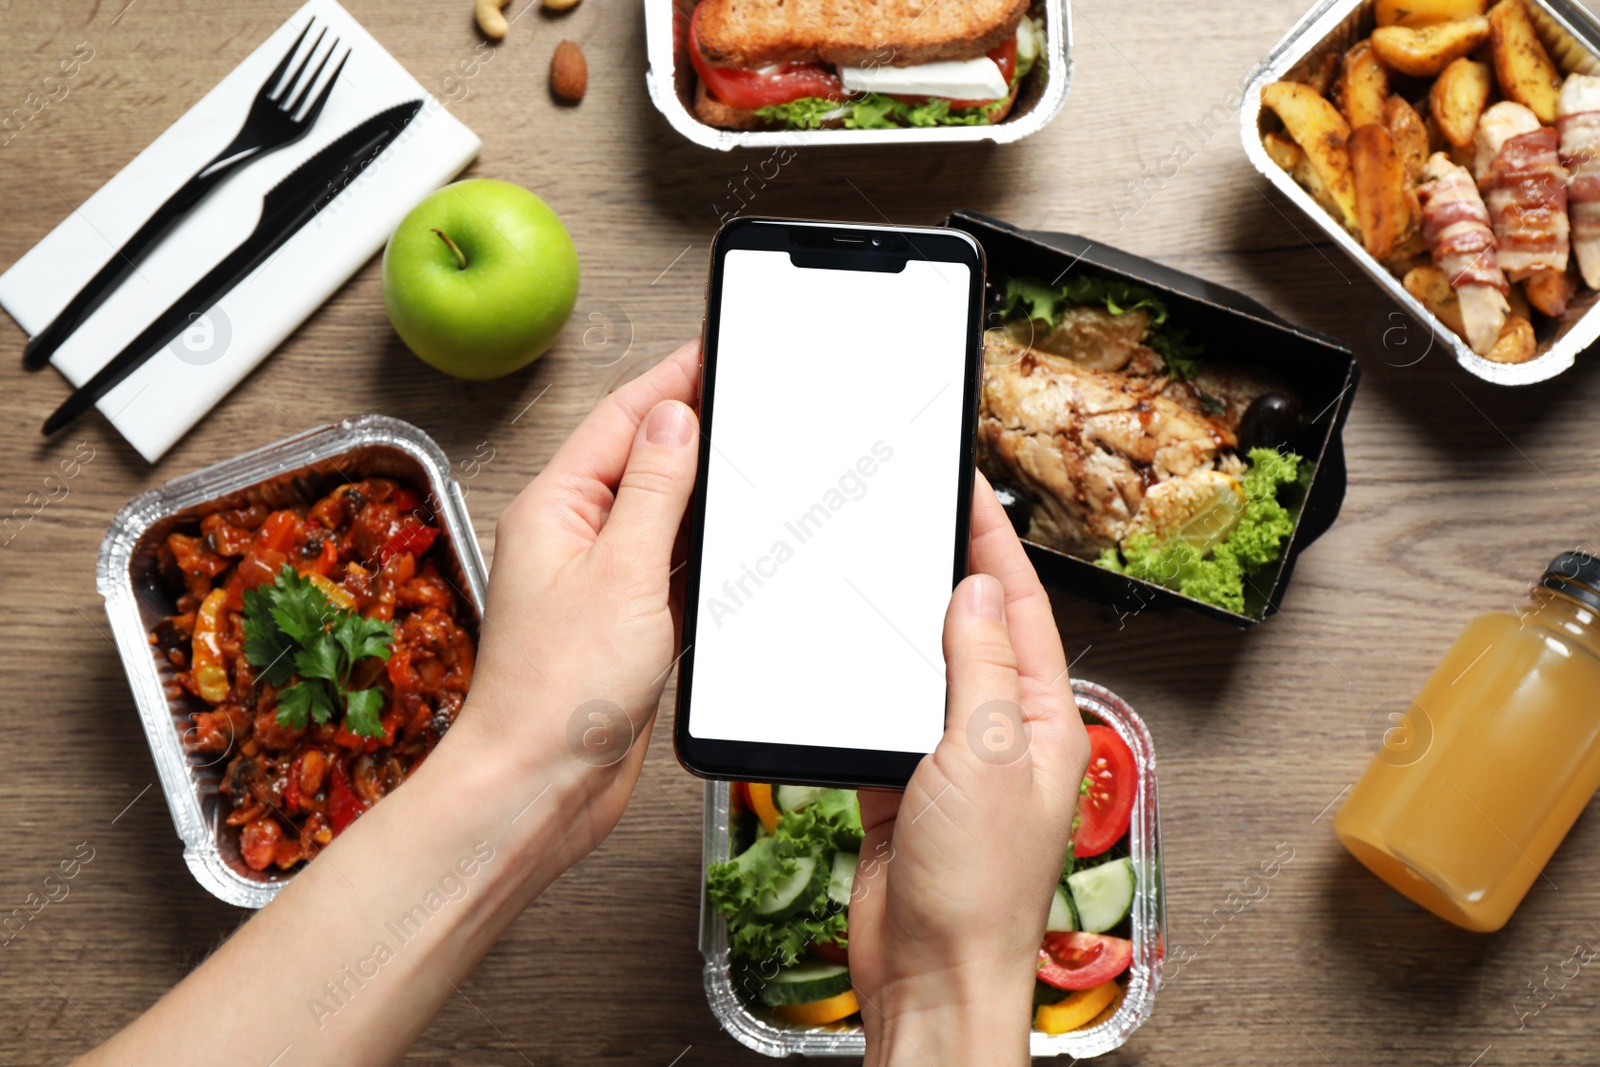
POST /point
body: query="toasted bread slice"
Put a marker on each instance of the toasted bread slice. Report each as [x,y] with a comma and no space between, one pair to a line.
[713,112]
[854,33]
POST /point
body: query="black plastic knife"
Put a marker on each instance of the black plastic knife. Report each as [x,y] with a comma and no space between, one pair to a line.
[287,207]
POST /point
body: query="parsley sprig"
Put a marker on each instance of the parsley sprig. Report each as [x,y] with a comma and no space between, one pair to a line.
[292,628]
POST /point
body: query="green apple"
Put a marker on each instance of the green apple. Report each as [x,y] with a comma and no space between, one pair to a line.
[479,278]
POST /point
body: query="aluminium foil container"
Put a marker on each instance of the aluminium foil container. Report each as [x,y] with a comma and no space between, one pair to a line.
[1569,32]
[671,81]
[298,470]
[755,1029]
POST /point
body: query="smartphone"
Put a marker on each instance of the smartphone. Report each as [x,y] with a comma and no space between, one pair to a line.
[839,395]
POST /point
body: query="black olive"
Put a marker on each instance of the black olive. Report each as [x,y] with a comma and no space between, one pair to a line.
[1018,509]
[1271,421]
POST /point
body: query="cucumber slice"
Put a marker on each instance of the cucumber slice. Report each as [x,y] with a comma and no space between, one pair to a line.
[1102,895]
[795,797]
[806,982]
[1061,918]
[796,891]
[844,877]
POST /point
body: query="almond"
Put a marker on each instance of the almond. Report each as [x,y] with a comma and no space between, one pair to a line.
[569,72]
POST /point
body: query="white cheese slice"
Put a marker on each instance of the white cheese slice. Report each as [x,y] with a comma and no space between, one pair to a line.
[969,79]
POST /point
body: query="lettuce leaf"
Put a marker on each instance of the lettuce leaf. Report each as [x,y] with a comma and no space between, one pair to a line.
[832,823]
[1254,544]
[806,113]
[1046,302]
[874,111]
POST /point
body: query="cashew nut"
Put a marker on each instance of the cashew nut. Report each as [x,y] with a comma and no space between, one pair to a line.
[490,20]
[560,5]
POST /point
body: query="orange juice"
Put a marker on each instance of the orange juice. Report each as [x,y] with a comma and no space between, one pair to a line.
[1483,775]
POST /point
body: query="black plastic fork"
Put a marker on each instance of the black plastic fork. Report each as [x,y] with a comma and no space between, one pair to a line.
[279,116]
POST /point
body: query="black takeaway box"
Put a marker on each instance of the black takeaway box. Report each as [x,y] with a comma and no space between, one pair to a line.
[1311,376]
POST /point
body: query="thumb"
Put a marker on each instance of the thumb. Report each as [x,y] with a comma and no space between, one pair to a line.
[985,711]
[655,486]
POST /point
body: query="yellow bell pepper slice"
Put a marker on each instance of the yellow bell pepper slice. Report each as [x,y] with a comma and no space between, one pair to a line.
[819,1012]
[336,594]
[1076,1009]
[761,803]
[205,659]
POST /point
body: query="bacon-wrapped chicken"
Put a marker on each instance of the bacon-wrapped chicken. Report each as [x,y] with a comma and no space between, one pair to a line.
[1578,122]
[1455,223]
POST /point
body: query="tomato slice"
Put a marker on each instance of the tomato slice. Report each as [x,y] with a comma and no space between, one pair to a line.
[831,952]
[742,88]
[1078,960]
[1106,807]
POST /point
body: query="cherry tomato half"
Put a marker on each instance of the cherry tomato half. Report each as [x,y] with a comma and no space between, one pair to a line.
[831,952]
[1078,960]
[1106,807]
[741,88]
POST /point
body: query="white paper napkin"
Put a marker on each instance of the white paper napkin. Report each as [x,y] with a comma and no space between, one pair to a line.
[160,401]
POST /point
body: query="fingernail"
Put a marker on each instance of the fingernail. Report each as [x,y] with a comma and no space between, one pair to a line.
[668,424]
[986,598]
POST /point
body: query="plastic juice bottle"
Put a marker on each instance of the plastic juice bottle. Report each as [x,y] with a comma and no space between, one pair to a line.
[1494,760]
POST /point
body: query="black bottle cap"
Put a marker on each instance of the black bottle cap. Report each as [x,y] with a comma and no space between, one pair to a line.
[1576,574]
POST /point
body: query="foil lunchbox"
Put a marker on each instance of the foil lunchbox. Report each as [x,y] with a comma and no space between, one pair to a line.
[1572,36]
[299,469]
[671,81]
[1321,369]
[771,1037]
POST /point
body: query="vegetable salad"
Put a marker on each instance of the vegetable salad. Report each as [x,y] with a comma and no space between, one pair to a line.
[786,891]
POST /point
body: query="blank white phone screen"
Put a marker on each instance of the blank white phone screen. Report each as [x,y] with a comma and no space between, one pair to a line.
[831,493]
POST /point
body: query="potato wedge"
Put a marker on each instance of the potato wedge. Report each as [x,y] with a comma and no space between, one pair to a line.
[1409,133]
[1416,14]
[1410,253]
[1292,158]
[1521,64]
[1458,98]
[1549,291]
[1461,157]
[1518,303]
[1283,151]
[1516,343]
[1432,289]
[1319,74]
[1427,51]
[1380,181]
[1363,86]
[1319,129]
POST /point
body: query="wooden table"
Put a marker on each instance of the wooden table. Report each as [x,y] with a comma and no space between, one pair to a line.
[1459,493]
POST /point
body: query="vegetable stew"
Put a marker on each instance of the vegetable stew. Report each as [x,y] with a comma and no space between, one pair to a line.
[329,650]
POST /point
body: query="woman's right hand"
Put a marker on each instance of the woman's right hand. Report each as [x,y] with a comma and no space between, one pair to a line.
[956,873]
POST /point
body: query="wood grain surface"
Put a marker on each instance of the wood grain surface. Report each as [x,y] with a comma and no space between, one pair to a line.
[1459,493]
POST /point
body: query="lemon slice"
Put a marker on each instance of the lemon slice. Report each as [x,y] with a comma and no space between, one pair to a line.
[1200,509]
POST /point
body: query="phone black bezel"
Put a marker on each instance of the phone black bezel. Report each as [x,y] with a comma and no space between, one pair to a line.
[849,246]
